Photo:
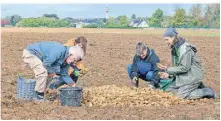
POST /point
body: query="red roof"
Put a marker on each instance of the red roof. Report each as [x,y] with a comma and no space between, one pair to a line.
[5,22]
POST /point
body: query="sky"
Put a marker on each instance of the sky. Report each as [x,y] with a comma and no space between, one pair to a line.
[88,10]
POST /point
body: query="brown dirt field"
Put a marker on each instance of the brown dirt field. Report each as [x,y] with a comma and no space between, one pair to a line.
[109,51]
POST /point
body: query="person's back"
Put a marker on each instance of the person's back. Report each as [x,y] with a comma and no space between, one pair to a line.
[48,49]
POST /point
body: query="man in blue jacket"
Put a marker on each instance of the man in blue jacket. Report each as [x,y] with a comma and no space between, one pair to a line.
[51,59]
[144,66]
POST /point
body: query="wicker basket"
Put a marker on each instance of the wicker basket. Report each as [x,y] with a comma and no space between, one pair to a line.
[26,88]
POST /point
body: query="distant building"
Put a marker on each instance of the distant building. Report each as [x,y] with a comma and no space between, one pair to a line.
[5,22]
[139,23]
[79,24]
[107,10]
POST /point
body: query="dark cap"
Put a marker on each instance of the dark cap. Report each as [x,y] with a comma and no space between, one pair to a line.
[170,32]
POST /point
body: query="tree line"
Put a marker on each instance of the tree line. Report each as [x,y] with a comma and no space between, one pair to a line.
[197,17]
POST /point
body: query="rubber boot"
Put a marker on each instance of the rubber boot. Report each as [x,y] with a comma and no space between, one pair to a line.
[209,93]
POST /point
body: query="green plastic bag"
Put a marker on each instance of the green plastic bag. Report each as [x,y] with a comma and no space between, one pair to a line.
[76,73]
[165,83]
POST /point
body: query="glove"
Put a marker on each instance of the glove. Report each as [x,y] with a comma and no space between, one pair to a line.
[76,73]
[135,81]
[84,71]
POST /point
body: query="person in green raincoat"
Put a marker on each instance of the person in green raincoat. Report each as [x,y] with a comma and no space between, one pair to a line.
[186,74]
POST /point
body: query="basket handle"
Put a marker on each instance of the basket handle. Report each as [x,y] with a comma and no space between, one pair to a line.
[19,76]
[69,95]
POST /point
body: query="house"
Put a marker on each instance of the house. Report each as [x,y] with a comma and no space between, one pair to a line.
[79,24]
[139,23]
[5,22]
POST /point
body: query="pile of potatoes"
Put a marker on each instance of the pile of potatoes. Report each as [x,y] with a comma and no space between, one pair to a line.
[111,95]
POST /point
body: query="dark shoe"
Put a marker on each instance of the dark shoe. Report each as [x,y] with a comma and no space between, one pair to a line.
[209,93]
[153,85]
[39,96]
[201,86]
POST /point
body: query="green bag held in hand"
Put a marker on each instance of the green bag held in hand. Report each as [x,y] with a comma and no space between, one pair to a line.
[165,83]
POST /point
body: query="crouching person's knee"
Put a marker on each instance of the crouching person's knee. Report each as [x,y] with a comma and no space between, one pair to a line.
[149,75]
[129,68]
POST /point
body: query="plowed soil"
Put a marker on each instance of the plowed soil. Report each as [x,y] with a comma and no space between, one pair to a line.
[106,91]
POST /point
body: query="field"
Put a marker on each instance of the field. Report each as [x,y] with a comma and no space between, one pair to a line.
[108,54]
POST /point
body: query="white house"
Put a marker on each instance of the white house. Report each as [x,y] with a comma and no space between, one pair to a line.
[139,23]
[79,24]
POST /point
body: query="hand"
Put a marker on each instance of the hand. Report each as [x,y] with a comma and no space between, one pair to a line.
[83,71]
[76,73]
[62,86]
[52,74]
[134,80]
[73,84]
[160,66]
[163,75]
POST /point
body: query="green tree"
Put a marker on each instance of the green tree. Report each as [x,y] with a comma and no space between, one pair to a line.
[212,15]
[191,22]
[91,26]
[196,11]
[118,18]
[124,21]
[166,21]
[101,22]
[178,19]
[133,17]
[69,19]
[196,15]
[43,22]
[156,19]
[14,19]
[112,22]
[216,16]
[51,16]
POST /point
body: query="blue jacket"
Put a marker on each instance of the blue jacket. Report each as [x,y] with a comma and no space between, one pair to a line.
[143,66]
[53,56]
